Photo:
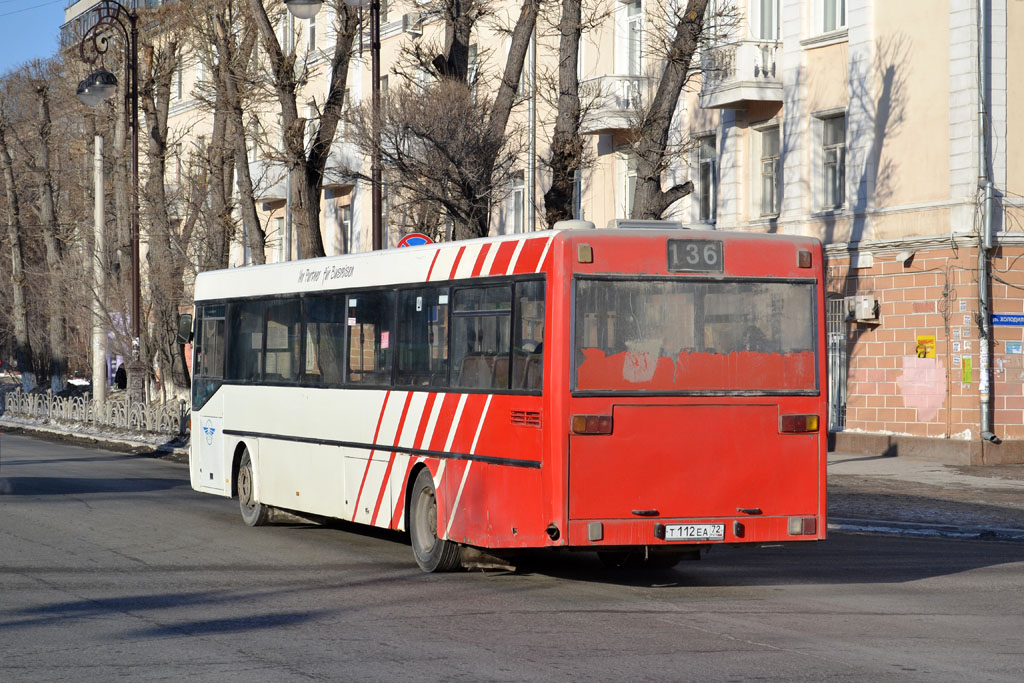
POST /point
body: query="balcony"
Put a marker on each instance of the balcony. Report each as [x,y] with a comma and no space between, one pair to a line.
[741,72]
[615,100]
[269,179]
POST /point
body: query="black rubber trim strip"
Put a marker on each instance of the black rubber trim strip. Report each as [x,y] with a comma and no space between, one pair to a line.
[491,460]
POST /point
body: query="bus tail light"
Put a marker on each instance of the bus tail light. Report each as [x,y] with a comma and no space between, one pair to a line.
[798,424]
[803,526]
[591,424]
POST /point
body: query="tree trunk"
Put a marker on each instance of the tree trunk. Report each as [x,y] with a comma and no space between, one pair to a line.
[54,248]
[478,219]
[650,201]
[19,309]
[167,238]
[307,172]
[221,224]
[566,141]
[233,61]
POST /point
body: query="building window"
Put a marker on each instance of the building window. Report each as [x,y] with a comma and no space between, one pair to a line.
[634,38]
[833,159]
[770,188]
[311,46]
[833,15]
[178,83]
[577,195]
[706,177]
[346,228]
[518,202]
[279,234]
[768,19]
[629,189]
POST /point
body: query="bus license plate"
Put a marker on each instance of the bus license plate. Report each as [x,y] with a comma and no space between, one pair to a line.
[694,532]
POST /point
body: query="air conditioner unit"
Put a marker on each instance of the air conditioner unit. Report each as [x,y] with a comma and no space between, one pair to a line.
[412,23]
[863,308]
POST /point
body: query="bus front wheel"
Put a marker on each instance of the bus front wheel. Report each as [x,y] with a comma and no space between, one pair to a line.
[254,513]
[433,554]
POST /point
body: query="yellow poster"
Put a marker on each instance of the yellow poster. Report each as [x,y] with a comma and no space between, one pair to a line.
[966,371]
[926,346]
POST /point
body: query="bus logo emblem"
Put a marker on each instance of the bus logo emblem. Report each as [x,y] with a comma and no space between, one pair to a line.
[208,430]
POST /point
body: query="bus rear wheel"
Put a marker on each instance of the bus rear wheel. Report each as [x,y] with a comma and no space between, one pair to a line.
[254,513]
[432,554]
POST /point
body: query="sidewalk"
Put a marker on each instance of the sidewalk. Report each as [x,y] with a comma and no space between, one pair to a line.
[910,496]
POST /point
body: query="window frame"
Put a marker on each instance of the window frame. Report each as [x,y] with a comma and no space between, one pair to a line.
[830,196]
[758,170]
[707,191]
[395,291]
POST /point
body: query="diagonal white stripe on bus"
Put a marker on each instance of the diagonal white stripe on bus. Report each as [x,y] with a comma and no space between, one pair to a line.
[544,254]
[469,465]
[515,257]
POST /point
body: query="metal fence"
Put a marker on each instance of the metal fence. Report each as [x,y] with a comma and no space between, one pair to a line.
[170,418]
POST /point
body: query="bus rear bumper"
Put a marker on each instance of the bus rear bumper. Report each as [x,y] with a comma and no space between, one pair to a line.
[598,533]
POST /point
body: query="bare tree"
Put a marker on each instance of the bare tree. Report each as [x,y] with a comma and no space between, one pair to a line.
[22,345]
[168,234]
[307,166]
[53,240]
[566,153]
[651,146]
[447,144]
[224,39]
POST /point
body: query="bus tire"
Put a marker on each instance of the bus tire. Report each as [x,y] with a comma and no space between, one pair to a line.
[432,554]
[254,513]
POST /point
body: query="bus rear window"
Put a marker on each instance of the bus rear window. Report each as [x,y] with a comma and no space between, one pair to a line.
[679,336]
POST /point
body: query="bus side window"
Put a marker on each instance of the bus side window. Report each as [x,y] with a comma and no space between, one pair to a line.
[481,337]
[284,336]
[422,337]
[209,354]
[325,340]
[370,337]
[245,355]
[528,339]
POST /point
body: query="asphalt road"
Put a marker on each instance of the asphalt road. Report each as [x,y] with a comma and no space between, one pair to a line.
[112,568]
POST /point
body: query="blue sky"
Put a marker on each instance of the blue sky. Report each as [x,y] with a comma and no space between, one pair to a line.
[29,29]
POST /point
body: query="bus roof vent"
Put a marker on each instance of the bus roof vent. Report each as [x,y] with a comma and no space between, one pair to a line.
[629,223]
[574,225]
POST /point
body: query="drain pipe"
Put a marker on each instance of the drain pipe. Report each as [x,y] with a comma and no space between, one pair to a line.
[985,236]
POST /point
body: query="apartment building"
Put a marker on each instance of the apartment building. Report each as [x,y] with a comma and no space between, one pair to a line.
[882,128]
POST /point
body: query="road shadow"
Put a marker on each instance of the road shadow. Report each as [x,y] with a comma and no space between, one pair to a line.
[845,558]
[77,486]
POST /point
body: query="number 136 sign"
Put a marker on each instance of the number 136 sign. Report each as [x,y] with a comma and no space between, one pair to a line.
[695,255]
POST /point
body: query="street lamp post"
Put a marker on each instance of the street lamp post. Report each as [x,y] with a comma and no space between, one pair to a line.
[112,16]
[306,9]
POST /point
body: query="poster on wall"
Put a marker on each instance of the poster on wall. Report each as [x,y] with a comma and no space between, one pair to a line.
[966,371]
[926,346]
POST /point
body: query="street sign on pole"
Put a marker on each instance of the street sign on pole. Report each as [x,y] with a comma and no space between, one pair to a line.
[414,239]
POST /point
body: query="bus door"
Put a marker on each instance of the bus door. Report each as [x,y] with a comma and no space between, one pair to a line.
[682,384]
[207,402]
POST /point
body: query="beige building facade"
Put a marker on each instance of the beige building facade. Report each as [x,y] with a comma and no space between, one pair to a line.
[875,126]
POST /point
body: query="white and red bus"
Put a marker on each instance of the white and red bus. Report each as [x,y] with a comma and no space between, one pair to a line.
[645,393]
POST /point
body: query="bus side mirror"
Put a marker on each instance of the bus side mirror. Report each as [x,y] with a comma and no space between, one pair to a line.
[184,328]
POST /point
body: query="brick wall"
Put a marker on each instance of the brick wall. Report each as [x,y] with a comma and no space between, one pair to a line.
[889,387]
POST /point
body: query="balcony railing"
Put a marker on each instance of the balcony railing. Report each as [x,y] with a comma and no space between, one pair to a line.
[740,72]
[615,101]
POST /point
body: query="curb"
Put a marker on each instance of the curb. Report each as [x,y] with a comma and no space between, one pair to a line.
[177,453]
[924,530]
